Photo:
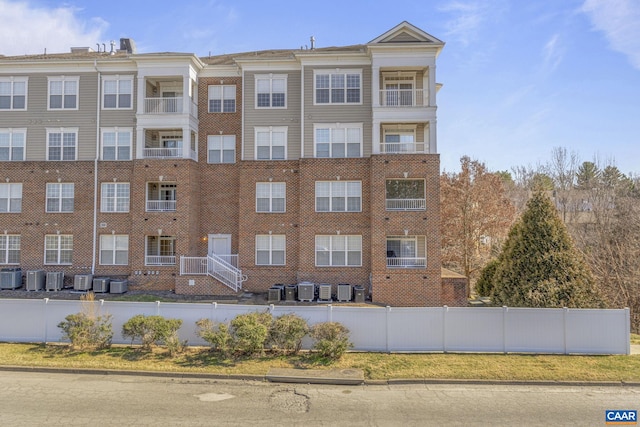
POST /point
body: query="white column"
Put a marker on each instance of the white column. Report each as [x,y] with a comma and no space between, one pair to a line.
[432,86]
[186,92]
[433,143]
[140,92]
[139,142]
[375,137]
[186,141]
[375,86]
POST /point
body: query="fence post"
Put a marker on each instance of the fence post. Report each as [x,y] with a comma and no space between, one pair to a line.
[564,321]
[444,328]
[386,328]
[46,320]
[504,328]
[214,306]
[627,323]
[329,313]
[157,308]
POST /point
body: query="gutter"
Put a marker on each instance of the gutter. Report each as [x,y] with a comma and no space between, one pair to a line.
[95,174]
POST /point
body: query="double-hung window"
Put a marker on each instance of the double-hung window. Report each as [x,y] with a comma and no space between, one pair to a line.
[58,249]
[338,196]
[343,87]
[115,197]
[270,197]
[117,92]
[338,140]
[271,91]
[338,251]
[62,144]
[9,249]
[60,197]
[270,249]
[271,143]
[116,144]
[12,144]
[222,98]
[221,149]
[13,93]
[10,198]
[114,249]
[63,93]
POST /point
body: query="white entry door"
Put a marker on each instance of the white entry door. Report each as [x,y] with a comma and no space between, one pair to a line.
[220,244]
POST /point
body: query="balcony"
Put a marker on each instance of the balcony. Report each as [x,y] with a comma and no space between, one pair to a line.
[159,260]
[161,205]
[406,252]
[406,262]
[406,204]
[402,147]
[403,98]
[173,105]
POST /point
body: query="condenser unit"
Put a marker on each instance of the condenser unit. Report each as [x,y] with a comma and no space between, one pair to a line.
[344,292]
[35,280]
[306,291]
[290,293]
[324,292]
[10,278]
[358,294]
[118,286]
[276,293]
[101,284]
[55,280]
[83,282]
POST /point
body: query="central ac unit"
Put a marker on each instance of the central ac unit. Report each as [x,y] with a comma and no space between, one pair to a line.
[10,278]
[306,291]
[35,280]
[118,286]
[344,292]
[55,280]
[101,284]
[276,293]
[83,282]
[324,292]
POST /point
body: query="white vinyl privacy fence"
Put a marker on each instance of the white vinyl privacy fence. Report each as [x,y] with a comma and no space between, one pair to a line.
[378,329]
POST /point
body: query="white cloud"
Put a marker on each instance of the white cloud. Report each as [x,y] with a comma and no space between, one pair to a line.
[28,29]
[619,20]
[553,52]
[468,18]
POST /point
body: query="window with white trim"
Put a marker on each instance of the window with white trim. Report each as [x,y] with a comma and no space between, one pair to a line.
[117,92]
[116,143]
[271,143]
[62,144]
[59,197]
[338,87]
[13,93]
[58,249]
[338,251]
[271,91]
[338,196]
[114,249]
[63,93]
[221,149]
[114,197]
[222,98]
[12,144]
[10,198]
[270,197]
[338,140]
[270,249]
[9,249]
[399,139]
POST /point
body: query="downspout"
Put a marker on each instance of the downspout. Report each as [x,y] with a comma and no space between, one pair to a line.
[95,174]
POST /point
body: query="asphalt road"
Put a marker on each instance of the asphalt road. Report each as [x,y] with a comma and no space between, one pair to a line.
[53,399]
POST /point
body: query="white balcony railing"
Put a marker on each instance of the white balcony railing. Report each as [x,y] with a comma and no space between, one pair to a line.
[402,147]
[161,205]
[163,105]
[402,98]
[406,204]
[159,260]
[404,262]
[162,153]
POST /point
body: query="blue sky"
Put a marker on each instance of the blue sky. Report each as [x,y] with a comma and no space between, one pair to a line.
[520,78]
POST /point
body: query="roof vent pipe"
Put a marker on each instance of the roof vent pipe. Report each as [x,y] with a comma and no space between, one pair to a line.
[98,44]
[313,42]
[113,47]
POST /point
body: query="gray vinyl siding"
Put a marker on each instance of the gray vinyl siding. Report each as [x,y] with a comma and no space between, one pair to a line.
[37,118]
[259,117]
[337,113]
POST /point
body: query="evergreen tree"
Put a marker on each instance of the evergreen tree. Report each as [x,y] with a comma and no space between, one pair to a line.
[539,265]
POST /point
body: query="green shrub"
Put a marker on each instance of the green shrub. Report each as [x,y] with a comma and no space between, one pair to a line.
[287,332]
[217,335]
[331,339]
[250,332]
[152,330]
[86,332]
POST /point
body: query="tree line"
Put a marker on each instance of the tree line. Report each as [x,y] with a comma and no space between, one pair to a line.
[565,233]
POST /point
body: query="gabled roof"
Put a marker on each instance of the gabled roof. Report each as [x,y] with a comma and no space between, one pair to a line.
[406,33]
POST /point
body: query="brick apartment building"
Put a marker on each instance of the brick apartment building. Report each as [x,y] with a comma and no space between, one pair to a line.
[207,175]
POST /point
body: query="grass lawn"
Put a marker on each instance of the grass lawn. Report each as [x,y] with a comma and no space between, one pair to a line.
[375,365]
